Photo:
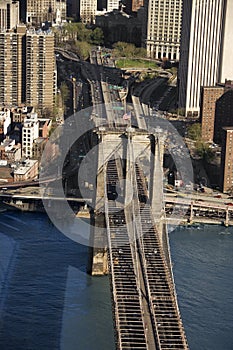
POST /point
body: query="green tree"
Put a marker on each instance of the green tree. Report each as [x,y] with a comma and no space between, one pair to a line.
[140,52]
[97,36]
[70,31]
[194,132]
[64,92]
[122,49]
[83,34]
[204,151]
[83,48]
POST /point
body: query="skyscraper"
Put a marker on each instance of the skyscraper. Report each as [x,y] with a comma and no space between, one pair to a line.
[40,69]
[27,68]
[226,68]
[9,14]
[163,28]
[204,52]
[11,68]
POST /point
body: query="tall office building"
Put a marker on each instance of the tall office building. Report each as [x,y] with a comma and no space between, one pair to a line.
[226,67]
[205,55]
[112,5]
[163,28]
[87,10]
[27,68]
[9,14]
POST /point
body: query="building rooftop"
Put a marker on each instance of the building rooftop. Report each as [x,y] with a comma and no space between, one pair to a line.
[228,128]
[25,167]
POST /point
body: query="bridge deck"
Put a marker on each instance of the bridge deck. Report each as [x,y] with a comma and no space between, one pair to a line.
[144,300]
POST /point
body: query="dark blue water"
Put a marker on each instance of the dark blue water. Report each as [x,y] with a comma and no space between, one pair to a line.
[203,270]
[47,301]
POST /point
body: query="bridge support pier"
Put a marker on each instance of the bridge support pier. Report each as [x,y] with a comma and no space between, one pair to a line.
[156,180]
[227,217]
[191,213]
[98,257]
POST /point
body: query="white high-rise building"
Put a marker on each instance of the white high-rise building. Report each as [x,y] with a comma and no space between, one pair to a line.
[163,28]
[30,132]
[226,68]
[205,56]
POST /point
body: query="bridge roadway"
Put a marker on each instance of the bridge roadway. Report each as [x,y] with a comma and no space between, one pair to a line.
[144,298]
[193,207]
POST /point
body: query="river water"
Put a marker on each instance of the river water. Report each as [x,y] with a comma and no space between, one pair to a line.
[47,301]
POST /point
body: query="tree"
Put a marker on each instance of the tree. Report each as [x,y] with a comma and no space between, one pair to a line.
[97,36]
[64,92]
[140,52]
[83,34]
[82,48]
[122,49]
[194,132]
[70,31]
[204,151]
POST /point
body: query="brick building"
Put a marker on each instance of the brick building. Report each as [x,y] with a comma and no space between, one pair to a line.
[226,174]
[210,94]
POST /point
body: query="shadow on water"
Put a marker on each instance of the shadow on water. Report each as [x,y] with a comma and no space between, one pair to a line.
[47,301]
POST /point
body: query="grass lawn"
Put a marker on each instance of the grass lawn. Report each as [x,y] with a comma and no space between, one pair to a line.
[135,63]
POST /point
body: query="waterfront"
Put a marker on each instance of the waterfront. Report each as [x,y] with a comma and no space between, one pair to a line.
[48,301]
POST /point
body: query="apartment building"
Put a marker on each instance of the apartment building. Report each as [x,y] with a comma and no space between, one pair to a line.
[27,68]
[223,114]
[226,174]
[40,69]
[11,68]
[163,28]
[209,97]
